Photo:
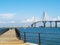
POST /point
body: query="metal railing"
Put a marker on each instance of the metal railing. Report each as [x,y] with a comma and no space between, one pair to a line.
[30,36]
[42,38]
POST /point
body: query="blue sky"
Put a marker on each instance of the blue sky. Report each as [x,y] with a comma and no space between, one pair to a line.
[18,10]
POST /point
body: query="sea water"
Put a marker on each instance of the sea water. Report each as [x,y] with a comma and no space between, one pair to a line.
[48,36]
[2,30]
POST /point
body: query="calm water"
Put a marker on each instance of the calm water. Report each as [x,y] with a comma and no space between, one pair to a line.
[2,30]
[48,36]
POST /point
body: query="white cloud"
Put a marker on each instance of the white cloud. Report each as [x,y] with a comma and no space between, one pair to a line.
[10,22]
[33,19]
[7,16]
[1,22]
[58,17]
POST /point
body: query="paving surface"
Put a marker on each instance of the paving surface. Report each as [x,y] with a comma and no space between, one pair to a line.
[9,38]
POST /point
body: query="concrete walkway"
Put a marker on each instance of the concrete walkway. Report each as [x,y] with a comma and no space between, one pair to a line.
[9,38]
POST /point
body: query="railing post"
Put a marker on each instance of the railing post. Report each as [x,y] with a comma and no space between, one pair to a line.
[39,43]
[18,34]
[24,37]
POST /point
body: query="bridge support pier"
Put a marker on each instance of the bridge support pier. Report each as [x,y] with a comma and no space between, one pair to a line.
[44,23]
[56,24]
[34,24]
[50,23]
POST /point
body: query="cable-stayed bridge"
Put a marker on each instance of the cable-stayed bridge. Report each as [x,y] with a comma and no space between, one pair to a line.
[44,20]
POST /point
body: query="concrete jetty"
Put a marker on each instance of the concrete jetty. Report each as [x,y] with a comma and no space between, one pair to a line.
[9,38]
